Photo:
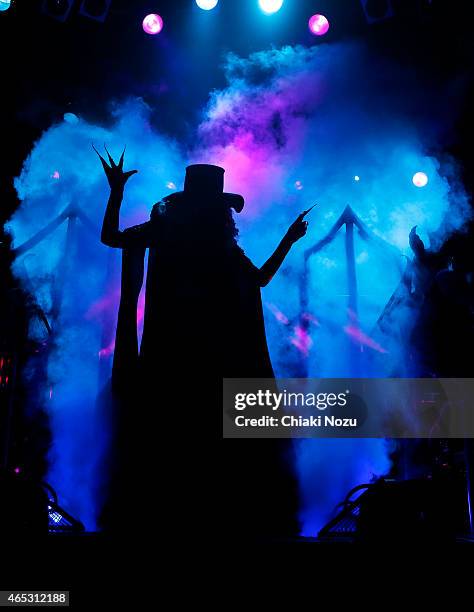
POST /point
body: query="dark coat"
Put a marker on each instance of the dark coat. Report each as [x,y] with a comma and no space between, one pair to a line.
[203,322]
[203,309]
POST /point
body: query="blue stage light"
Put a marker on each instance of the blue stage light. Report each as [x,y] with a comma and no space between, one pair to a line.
[5,5]
[270,6]
[207,5]
[71,118]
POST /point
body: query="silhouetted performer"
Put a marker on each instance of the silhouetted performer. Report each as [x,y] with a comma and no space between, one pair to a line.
[202,292]
[203,321]
[444,330]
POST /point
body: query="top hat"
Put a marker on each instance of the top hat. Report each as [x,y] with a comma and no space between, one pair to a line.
[206,179]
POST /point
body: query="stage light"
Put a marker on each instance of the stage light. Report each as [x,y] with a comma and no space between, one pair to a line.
[59,9]
[207,5]
[152,24]
[71,118]
[270,6]
[95,9]
[420,179]
[377,10]
[357,178]
[318,25]
[5,5]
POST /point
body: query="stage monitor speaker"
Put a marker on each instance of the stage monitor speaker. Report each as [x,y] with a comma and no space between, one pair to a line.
[23,506]
[410,510]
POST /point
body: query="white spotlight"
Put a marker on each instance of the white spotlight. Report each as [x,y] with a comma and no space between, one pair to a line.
[270,6]
[207,5]
[420,179]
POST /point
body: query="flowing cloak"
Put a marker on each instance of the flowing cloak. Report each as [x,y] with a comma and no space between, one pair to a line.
[203,321]
[203,308]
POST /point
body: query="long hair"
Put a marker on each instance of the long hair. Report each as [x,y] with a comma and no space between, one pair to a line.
[204,221]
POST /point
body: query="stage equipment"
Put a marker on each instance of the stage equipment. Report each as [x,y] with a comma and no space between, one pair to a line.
[95,9]
[5,5]
[152,24]
[318,25]
[377,10]
[394,511]
[351,221]
[23,506]
[270,6]
[207,5]
[71,118]
[58,9]
[7,380]
[60,521]
[420,179]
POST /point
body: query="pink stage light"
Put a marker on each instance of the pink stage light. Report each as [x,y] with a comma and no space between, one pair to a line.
[279,316]
[152,24]
[107,351]
[301,340]
[318,25]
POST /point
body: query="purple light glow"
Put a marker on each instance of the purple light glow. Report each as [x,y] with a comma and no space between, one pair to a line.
[318,25]
[152,24]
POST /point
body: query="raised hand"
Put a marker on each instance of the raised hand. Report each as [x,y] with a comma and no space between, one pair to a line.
[297,229]
[114,172]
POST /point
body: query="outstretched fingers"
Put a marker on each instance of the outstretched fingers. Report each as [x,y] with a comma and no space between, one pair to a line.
[115,174]
[102,160]
[120,164]
[112,163]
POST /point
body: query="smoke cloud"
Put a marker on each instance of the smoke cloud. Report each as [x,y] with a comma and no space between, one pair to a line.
[336,126]
[294,126]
